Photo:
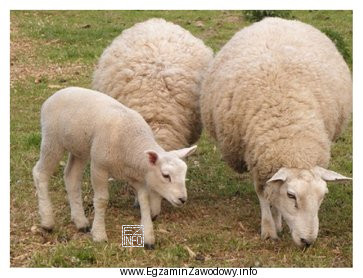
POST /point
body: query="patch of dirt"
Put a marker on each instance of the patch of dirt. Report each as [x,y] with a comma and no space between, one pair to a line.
[233,18]
[22,71]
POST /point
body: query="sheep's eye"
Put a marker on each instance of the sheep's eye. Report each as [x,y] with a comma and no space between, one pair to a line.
[291,195]
[166,177]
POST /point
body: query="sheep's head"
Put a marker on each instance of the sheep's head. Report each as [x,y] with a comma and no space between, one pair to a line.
[167,173]
[298,194]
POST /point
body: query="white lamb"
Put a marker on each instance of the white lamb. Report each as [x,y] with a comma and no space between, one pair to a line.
[275,97]
[119,143]
[156,68]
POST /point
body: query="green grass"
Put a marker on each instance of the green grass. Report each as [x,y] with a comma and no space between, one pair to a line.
[340,43]
[257,15]
[221,221]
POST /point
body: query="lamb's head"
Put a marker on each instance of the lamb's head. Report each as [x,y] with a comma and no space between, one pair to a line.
[166,174]
[297,194]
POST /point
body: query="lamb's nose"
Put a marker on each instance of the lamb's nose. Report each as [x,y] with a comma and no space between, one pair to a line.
[183,200]
[305,242]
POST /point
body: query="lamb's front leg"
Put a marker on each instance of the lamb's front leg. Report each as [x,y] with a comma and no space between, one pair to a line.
[268,227]
[99,178]
[155,204]
[143,197]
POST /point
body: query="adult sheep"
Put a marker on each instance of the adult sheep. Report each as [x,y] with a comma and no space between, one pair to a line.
[156,68]
[275,97]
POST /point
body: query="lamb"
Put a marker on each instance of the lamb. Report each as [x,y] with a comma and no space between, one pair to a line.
[275,98]
[119,143]
[156,68]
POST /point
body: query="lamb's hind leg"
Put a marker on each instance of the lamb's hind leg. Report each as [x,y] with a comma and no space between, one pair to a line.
[73,179]
[99,178]
[50,155]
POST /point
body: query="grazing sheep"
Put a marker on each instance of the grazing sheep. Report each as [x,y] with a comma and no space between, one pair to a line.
[275,97]
[156,68]
[119,143]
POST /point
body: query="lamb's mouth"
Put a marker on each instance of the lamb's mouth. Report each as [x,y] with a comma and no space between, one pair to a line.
[175,204]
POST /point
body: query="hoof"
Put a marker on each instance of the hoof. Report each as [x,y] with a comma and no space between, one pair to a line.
[154,217]
[269,233]
[85,230]
[99,237]
[148,246]
[269,237]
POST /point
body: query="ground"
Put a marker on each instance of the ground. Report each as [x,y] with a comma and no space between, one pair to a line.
[220,222]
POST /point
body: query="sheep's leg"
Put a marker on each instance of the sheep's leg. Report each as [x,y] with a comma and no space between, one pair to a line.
[73,178]
[277,219]
[155,204]
[268,228]
[99,178]
[136,201]
[50,155]
[143,197]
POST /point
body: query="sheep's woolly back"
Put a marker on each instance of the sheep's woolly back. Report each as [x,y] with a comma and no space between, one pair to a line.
[276,95]
[156,68]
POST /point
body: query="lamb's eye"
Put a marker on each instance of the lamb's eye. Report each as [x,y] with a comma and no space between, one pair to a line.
[291,195]
[166,177]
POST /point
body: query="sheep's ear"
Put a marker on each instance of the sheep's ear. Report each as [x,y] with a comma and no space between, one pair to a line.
[328,175]
[280,175]
[185,152]
[152,157]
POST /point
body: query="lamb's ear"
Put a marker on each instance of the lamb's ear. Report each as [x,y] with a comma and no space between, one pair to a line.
[152,157]
[328,175]
[280,175]
[185,152]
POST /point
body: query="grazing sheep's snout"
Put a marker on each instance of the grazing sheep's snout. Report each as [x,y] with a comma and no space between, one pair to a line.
[305,234]
[183,200]
[305,243]
[178,202]
[179,198]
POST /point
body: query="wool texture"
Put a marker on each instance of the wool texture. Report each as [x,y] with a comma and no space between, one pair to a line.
[276,95]
[156,68]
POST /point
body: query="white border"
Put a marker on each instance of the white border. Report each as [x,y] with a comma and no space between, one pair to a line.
[7,5]
[5,138]
[181,5]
